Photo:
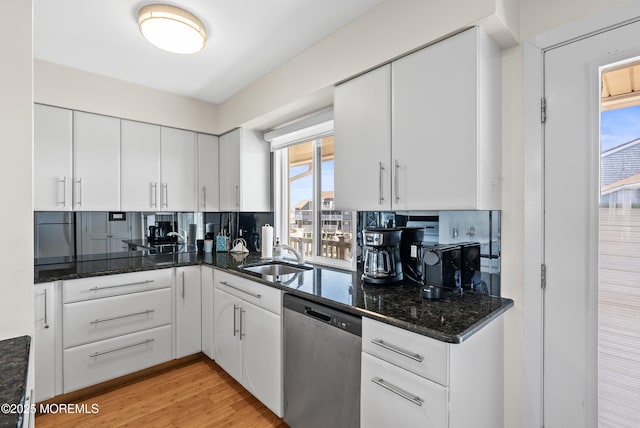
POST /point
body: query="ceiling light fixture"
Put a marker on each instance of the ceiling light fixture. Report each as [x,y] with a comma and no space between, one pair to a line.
[171,28]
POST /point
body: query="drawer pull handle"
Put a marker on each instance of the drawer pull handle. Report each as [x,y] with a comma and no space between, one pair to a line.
[149,281]
[257,296]
[97,354]
[147,312]
[235,330]
[416,357]
[398,391]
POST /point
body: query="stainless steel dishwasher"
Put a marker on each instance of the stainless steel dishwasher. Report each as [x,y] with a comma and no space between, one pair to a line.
[322,349]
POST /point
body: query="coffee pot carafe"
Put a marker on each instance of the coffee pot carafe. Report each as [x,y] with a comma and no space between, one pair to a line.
[382,264]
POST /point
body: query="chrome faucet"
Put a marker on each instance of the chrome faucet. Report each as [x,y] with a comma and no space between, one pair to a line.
[299,255]
[181,238]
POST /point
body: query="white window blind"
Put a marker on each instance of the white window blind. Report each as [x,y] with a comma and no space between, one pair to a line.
[315,125]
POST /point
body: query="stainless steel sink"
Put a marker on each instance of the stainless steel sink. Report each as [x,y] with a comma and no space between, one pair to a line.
[278,272]
[275,269]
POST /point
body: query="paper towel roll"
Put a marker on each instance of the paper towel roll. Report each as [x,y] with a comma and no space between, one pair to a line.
[267,241]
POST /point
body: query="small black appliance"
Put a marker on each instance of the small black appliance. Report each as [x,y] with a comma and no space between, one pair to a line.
[382,261]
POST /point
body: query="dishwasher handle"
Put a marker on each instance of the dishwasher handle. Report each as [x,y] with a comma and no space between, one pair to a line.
[308,310]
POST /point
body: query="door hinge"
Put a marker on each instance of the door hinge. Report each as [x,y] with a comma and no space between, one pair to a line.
[543,276]
[543,110]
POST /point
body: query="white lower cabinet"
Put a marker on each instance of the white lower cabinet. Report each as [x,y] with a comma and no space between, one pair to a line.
[44,341]
[411,380]
[116,324]
[207,310]
[397,397]
[248,336]
[107,359]
[188,311]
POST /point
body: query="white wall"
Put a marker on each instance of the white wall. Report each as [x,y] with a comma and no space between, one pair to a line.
[393,28]
[62,86]
[16,146]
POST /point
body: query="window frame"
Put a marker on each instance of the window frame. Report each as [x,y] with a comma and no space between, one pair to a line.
[281,205]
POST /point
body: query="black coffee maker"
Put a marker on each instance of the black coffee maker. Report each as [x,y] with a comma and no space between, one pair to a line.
[382,262]
[412,249]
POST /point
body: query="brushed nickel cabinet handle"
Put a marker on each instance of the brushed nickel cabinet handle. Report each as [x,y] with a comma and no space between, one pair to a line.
[64,192]
[396,168]
[98,321]
[182,285]
[398,391]
[380,196]
[204,197]
[235,330]
[46,323]
[149,281]
[97,354]
[416,357]
[154,195]
[241,333]
[257,296]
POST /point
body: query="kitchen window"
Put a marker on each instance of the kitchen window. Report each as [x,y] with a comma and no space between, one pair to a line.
[305,216]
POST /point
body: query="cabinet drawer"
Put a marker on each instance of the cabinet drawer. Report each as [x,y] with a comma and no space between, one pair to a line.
[424,356]
[93,320]
[253,292]
[96,362]
[391,396]
[113,285]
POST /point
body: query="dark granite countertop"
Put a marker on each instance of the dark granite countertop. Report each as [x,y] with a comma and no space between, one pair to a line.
[451,319]
[14,365]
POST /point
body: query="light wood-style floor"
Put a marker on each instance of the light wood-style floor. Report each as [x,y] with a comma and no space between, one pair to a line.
[199,394]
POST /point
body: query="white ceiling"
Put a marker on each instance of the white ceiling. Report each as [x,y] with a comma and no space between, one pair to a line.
[246,40]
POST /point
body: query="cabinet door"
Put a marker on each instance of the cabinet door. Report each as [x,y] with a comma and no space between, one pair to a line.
[96,162]
[230,171]
[227,348]
[188,311]
[177,170]
[207,310]
[43,341]
[362,132]
[208,179]
[52,158]
[140,166]
[434,126]
[391,396]
[261,335]
[254,163]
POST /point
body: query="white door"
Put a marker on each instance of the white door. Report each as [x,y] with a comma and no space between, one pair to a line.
[52,158]
[140,166]
[207,310]
[178,169]
[188,311]
[227,348]
[363,142]
[261,335]
[230,146]
[434,125]
[96,162]
[208,177]
[571,190]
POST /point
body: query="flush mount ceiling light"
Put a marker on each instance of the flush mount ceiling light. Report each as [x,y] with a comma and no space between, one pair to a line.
[171,28]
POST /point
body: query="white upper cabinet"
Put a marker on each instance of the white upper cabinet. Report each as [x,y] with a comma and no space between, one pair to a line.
[52,158]
[245,172]
[140,166]
[96,162]
[158,168]
[177,169]
[208,178]
[445,125]
[362,131]
[443,119]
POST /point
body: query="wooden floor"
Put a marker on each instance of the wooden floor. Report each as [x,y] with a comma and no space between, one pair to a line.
[199,394]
